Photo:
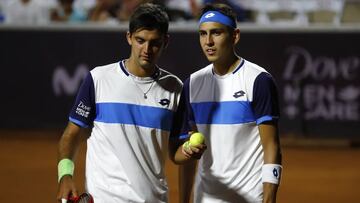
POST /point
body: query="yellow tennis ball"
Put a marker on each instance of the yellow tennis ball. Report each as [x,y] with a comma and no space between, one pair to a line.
[186,145]
[196,139]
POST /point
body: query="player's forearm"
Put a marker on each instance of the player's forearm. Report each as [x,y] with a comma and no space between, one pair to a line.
[69,142]
[186,180]
[271,144]
[270,191]
[272,155]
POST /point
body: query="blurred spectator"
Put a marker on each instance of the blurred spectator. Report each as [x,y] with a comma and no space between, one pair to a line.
[46,7]
[84,5]
[183,10]
[2,14]
[65,12]
[105,11]
[351,11]
[24,12]
[243,14]
[127,8]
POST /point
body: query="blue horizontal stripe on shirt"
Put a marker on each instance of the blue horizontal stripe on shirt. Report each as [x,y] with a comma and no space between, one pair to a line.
[78,122]
[184,136]
[229,112]
[265,118]
[145,116]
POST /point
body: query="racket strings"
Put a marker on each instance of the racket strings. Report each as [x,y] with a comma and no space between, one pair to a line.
[83,198]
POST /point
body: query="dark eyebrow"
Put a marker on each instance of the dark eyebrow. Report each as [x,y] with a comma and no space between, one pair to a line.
[217,30]
[152,40]
[137,37]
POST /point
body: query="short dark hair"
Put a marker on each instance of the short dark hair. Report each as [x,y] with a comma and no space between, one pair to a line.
[222,8]
[149,16]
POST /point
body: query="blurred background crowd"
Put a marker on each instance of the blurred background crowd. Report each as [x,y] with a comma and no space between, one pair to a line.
[301,12]
[317,70]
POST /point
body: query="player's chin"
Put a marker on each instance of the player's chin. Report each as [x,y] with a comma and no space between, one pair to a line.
[211,58]
[147,64]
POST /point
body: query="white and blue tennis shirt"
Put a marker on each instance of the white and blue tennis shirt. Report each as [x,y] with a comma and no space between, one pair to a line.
[127,147]
[227,110]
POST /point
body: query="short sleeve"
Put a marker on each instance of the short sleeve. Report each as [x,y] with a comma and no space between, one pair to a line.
[265,99]
[184,116]
[84,110]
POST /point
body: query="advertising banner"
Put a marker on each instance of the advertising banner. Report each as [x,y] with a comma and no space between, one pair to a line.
[317,73]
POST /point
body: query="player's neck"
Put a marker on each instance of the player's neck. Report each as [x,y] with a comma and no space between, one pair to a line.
[226,66]
[137,70]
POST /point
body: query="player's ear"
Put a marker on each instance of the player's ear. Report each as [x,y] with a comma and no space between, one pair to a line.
[236,36]
[128,37]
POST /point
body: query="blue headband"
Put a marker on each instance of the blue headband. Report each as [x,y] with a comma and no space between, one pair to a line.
[215,16]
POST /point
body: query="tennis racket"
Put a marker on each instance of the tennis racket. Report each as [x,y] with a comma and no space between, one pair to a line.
[83,198]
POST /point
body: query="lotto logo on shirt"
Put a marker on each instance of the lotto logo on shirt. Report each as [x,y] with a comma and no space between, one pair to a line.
[83,110]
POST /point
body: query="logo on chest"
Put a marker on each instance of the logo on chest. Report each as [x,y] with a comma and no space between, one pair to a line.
[239,94]
[164,102]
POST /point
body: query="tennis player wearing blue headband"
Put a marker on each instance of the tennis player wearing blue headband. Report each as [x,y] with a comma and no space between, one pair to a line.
[216,16]
[234,103]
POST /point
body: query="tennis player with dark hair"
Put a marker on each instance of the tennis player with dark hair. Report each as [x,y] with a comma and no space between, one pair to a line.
[129,107]
[234,103]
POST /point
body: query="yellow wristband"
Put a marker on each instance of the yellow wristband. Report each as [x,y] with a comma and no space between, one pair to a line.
[65,167]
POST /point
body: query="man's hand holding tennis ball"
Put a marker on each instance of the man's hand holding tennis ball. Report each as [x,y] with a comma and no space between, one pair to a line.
[195,146]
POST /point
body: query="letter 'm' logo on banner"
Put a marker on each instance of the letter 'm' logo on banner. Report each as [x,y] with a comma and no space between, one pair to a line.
[63,84]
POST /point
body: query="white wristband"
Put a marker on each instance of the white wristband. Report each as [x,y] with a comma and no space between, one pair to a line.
[271,173]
